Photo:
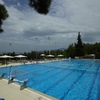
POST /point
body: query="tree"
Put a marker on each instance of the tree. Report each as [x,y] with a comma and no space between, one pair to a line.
[79,49]
[3,15]
[41,6]
[71,51]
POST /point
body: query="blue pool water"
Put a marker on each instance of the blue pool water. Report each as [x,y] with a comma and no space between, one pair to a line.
[65,80]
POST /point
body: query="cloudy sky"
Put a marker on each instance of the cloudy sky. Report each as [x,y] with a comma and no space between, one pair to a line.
[27,30]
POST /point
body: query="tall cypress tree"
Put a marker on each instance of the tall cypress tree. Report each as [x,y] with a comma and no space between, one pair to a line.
[79,49]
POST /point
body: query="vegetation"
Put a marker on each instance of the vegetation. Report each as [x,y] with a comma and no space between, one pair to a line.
[3,15]
[79,50]
[76,49]
[41,6]
[88,49]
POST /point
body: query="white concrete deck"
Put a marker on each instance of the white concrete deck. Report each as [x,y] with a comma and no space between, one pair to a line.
[12,92]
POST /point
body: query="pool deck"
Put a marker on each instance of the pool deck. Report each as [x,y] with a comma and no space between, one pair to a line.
[12,91]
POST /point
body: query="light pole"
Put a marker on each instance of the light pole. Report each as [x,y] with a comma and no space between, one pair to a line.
[10,51]
[10,48]
[49,43]
[36,48]
[55,49]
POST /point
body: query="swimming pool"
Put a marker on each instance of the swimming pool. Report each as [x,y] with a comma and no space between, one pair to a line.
[65,80]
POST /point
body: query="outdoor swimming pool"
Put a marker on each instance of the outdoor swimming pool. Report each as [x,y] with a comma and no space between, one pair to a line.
[65,80]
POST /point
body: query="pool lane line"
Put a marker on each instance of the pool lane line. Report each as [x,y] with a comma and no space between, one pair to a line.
[62,98]
[35,68]
[44,74]
[60,80]
[47,70]
[65,77]
[56,73]
[93,82]
[51,68]
[14,67]
[38,70]
[47,77]
[51,76]
[55,68]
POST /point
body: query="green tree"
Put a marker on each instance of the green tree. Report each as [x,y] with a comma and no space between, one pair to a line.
[3,15]
[88,48]
[71,51]
[41,6]
[79,49]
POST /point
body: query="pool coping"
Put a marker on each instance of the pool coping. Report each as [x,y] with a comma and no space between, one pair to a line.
[39,95]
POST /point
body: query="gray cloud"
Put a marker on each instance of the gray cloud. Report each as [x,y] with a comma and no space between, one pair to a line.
[62,24]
